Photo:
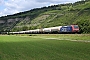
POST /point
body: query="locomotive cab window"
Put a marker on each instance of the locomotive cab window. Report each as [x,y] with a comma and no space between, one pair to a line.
[76,27]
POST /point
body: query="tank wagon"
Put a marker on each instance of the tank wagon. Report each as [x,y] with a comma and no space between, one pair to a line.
[58,29]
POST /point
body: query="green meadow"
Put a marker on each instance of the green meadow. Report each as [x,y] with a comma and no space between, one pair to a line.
[45,47]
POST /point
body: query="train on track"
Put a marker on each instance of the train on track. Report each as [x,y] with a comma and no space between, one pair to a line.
[57,29]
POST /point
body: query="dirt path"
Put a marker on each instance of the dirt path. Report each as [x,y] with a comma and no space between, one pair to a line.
[67,39]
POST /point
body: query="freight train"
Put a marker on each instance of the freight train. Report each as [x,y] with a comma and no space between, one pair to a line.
[58,29]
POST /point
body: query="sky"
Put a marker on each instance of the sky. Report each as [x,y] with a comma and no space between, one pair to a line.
[9,7]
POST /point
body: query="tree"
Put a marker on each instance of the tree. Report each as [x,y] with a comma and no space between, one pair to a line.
[84,26]
[24,28]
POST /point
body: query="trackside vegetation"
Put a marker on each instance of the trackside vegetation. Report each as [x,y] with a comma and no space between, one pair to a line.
[44,47]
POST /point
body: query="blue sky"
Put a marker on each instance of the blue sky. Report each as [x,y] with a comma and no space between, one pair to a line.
[8,7]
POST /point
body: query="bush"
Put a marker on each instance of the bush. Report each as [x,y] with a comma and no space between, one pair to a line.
[84,26]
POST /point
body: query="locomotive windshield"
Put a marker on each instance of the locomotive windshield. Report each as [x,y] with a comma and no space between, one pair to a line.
[76,27]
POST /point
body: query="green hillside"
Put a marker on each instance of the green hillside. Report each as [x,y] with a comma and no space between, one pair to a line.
[56,15]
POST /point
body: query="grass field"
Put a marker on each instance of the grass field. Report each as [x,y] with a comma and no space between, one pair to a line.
[45,47]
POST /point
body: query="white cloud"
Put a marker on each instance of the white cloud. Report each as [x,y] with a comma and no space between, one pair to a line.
[1,2]
[15,6]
